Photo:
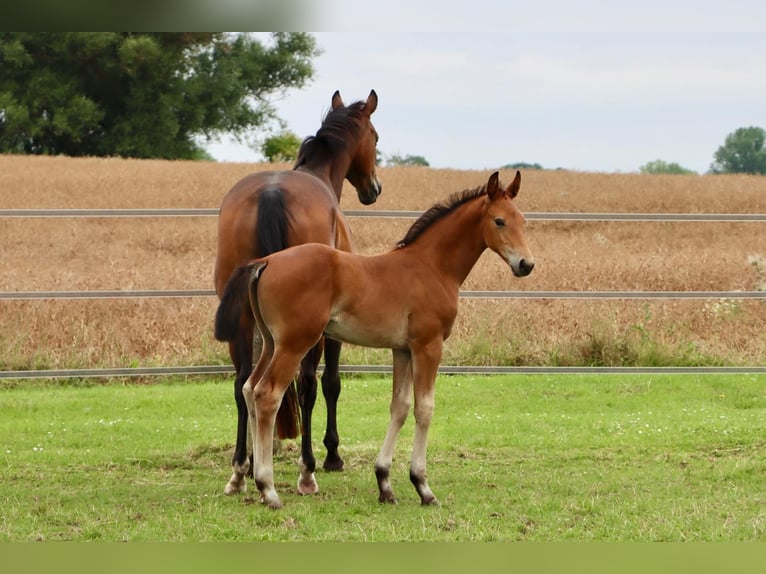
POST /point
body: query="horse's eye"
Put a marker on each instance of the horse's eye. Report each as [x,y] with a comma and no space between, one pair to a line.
[499,221]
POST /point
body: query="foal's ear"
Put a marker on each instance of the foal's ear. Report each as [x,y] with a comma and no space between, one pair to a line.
[337,101]
[372,103]
[493,186]
[513,189]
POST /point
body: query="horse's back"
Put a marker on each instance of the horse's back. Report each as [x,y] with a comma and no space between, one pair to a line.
[311,204]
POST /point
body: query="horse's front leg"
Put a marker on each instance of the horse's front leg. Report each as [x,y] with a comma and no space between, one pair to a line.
[401,401]
[331,392]
[425,366]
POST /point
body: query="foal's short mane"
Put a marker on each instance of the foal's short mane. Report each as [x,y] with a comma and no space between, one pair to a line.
[337,125]
[439,211]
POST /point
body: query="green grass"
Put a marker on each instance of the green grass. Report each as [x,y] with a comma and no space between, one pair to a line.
[532,457]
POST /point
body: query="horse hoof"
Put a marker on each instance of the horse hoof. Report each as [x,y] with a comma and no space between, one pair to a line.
[271,502]
[431,501]
[387,498]
[234,488]
[334,464]
[308,486]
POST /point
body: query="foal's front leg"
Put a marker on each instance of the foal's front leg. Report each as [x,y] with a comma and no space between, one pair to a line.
[426,365]
[401,400]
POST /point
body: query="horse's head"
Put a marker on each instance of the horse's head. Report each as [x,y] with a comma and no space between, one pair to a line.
[361,173]
[503,226]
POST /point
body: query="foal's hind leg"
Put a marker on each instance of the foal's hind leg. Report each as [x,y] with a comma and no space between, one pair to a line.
[331,392]
[263,400]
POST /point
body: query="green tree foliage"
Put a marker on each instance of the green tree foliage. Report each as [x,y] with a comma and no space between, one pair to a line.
[281,147]
[141,94]
[659,166]
[522,165]
[396,159]
[742,152]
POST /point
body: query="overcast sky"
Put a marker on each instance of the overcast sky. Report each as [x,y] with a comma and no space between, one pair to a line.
[585,100]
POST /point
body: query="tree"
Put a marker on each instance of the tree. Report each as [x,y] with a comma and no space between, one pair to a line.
[396,159]
[742,152]
[141,94]
[522,165]
[281,147]
[659,166]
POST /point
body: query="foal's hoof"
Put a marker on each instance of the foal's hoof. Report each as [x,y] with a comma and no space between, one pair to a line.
[232,490]
[272,502]
[235,486]
[387,498]
[430,501]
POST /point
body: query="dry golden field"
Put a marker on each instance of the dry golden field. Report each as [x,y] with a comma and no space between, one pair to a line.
[178,253]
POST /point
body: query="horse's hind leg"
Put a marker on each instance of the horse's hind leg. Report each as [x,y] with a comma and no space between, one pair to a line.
[263,396]
[331,392]
[307,394]
[241,463]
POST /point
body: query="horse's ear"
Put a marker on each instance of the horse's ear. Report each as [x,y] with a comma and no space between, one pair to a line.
[493,186]
[372,103]
[337,101]
[513,189]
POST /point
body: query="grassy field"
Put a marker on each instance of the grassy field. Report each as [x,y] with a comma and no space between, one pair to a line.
[178,253]
[533,458]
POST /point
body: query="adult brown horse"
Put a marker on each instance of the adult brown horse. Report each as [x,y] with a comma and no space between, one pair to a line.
[269,211]
[405,300]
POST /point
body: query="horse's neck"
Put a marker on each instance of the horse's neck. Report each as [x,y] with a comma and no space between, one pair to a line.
[329,169]
[454,244]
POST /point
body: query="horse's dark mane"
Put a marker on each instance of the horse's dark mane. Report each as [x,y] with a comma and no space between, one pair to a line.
[439,211]
[336,126]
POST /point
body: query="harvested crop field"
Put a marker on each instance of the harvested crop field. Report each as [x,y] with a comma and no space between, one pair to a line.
[61,254]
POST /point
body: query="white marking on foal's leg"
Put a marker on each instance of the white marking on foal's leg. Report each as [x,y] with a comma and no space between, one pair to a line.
[307,482]
[424,409]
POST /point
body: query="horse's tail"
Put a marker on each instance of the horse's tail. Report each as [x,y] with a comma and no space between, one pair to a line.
[289,414]
[234,307]
[272,223]
[236,311]
[271,236]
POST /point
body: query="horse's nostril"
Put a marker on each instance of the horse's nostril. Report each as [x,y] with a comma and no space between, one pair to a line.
[526,266]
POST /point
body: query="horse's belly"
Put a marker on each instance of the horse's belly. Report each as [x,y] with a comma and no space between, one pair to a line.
[380,334]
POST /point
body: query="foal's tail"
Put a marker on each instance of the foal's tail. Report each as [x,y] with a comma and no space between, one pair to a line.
[235,312]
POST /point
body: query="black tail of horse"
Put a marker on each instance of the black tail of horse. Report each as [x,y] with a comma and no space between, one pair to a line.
[272,222]
[234,311]
[271,236]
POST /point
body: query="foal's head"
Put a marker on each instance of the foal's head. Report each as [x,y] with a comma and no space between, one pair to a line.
[362,174]
[503,226]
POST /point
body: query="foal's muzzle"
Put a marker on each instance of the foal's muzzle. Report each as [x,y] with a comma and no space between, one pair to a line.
[523,268]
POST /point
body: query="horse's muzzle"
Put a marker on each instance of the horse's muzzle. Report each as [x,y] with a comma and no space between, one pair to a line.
[523,268]
[370,195]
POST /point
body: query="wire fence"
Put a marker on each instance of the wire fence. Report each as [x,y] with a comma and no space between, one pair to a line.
[395,214]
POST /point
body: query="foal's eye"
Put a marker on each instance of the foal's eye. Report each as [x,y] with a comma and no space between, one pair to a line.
[499,221]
